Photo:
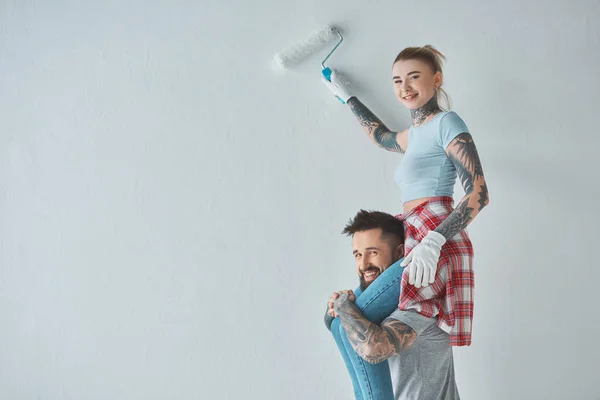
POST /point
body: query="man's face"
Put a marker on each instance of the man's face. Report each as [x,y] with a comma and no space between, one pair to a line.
[373,255]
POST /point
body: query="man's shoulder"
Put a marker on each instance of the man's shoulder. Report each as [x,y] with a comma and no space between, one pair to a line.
[421,324]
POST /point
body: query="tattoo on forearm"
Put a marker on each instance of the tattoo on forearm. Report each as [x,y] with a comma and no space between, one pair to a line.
[457,220]
[372,342]
[374,127]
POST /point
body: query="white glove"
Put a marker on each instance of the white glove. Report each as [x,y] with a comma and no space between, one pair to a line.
[423,259]
[338,86]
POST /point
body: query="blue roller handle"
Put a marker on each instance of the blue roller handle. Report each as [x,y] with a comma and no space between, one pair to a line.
[327,74]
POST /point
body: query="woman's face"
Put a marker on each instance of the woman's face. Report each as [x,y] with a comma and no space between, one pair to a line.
[414,83]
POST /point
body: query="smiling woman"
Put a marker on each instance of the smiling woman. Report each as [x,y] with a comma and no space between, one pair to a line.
[422,77]
[438,281]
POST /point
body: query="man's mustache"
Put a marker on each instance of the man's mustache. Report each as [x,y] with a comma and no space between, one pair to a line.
[370,268]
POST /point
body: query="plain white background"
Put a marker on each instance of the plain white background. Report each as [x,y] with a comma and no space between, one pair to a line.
[171,203]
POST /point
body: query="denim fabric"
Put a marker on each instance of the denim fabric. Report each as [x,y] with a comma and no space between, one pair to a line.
[377,302]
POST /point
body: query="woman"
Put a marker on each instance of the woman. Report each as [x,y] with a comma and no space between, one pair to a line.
[437,148]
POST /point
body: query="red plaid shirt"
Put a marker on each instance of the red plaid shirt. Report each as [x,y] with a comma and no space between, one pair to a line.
[450,297]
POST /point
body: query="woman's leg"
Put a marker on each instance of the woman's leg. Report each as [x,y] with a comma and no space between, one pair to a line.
[337,331]
[376,303]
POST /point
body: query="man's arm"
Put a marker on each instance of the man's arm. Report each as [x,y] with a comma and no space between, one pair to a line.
[372,342]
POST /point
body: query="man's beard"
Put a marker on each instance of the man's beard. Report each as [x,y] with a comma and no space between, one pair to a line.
[364,284]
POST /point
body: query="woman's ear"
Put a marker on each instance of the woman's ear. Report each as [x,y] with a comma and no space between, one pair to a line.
[438,79]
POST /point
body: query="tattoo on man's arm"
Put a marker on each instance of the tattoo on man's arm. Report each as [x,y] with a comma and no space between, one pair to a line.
[375,127]
[400,334]
[372,342]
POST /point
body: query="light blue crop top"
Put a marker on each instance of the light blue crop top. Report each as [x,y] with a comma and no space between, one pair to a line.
[425,169]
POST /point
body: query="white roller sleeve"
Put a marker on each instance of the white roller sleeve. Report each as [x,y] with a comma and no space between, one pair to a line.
[297,51]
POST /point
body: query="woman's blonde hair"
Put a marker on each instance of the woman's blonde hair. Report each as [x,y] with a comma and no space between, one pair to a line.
[430,56]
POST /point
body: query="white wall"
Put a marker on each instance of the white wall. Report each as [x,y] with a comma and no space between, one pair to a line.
[171,205]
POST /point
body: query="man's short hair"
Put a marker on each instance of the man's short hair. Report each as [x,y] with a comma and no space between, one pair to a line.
[391,227]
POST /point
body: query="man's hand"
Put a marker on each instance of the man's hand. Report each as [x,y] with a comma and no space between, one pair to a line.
[337,299]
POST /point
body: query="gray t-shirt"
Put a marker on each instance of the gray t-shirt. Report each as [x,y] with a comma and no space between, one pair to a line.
[424,371]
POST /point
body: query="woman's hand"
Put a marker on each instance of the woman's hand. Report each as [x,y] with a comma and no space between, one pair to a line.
[338,86]
[423,260]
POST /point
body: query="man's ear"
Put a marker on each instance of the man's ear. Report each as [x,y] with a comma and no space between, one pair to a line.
[400,251]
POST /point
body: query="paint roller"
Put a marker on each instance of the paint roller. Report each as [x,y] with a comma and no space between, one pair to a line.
[296,52]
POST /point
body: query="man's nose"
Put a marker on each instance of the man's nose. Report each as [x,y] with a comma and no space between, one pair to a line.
[364,263]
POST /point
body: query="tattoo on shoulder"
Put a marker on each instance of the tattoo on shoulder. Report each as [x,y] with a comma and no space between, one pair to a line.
[400,335]
[374,126]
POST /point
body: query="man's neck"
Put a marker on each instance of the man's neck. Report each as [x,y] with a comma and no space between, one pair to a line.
[419,115]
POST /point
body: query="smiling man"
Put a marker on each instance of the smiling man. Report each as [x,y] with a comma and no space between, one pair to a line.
[375,249]
[389,353]
[378,248]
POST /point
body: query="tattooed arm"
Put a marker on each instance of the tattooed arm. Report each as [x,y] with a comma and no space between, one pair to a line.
[373,343]
[376,130]
[463,153]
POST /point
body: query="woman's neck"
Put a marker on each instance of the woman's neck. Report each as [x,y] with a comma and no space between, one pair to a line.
[419,115]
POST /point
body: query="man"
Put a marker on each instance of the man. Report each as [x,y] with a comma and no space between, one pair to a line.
[389,353]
